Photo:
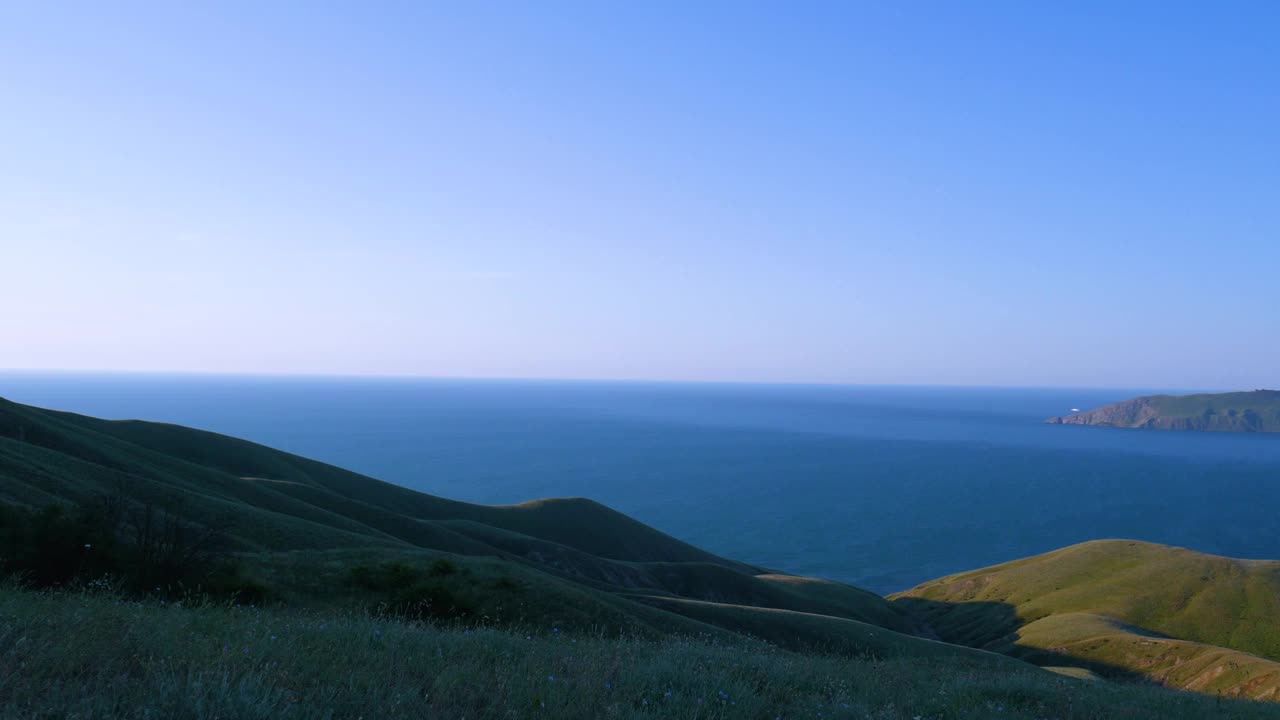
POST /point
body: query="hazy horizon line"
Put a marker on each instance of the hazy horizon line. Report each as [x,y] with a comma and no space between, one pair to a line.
[584,380]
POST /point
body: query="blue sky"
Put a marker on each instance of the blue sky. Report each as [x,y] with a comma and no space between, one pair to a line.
[928,193]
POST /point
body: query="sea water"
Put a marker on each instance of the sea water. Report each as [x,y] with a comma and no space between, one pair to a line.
[882,487]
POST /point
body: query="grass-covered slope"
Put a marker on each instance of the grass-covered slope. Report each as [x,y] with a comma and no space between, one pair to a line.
[133,660]
[822,633]
[212,471]
[1256,411]
[302,528]
[1104,642]
[309,540]
[1120,607]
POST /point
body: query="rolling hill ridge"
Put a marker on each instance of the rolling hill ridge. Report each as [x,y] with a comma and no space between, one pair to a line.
[1121,608]
[304,533]
[281,512]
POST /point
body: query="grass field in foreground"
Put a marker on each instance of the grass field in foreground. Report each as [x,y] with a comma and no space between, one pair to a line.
[95,656]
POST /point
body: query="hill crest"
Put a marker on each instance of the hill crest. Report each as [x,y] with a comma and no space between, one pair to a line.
[1121,608]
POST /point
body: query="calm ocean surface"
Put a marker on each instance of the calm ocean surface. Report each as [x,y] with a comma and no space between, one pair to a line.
[883,487]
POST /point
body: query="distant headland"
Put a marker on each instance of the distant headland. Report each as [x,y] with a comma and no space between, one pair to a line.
[1256,411]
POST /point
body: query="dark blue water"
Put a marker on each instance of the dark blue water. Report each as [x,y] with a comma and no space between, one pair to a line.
[883,487]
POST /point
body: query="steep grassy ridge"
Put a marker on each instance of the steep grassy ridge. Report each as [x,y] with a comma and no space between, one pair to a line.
[569,561]
[1118,606]
[217,469]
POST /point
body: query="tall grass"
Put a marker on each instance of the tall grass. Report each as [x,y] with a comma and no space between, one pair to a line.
[97,656]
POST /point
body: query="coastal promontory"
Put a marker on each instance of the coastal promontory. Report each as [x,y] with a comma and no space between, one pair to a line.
[1255,411]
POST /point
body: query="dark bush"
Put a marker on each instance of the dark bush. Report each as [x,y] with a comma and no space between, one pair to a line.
[443,567]
[363,576]
[137,547]
[432,600]
[508,583]
[399,576]
[387,577]
[400,590]
[54,546]
[228,581]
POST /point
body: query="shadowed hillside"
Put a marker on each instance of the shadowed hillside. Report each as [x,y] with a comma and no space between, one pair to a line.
[552,560]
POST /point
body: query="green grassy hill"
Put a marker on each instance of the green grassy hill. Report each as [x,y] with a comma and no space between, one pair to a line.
[125,524]
[61,455]
[300,528]
[1117,607]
